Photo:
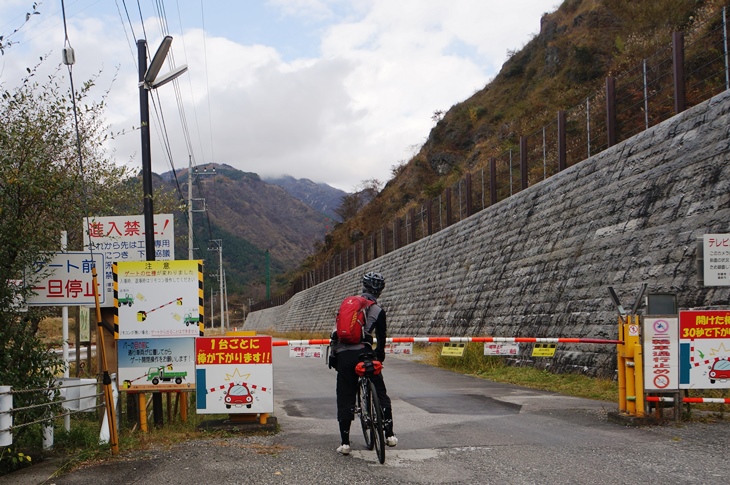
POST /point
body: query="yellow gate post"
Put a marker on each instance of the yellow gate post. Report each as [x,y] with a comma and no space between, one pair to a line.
[630,367]
[621,365]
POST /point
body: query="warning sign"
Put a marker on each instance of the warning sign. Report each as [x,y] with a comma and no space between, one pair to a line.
[543,350]
[453,349]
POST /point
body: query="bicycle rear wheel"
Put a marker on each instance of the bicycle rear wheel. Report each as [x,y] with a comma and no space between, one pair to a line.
[366,420]
[376,414]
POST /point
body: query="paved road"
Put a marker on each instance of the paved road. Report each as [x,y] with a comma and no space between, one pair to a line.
[452,429]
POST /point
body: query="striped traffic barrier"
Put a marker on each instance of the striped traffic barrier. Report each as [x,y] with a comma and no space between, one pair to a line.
[697,400]
[546,340]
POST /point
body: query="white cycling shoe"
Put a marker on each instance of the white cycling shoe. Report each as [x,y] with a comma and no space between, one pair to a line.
[344,449]
[391,441]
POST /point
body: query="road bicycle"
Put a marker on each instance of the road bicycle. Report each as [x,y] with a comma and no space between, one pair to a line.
[368,407]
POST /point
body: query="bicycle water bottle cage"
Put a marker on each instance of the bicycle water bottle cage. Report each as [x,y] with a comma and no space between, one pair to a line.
[368,368]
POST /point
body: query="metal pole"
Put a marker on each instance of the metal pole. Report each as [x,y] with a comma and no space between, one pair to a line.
[724,41]
[544,155]
[588,125]
[268,276]
[190,207]
[646,100]
[149,225]
[144,126]
[225,300]
[510,172]
[64,334]
[220,273]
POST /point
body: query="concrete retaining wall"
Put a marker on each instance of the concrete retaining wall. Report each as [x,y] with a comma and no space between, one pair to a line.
[539,263]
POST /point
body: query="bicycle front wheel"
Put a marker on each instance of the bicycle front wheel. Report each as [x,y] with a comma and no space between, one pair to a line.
[366,421]
[376,414]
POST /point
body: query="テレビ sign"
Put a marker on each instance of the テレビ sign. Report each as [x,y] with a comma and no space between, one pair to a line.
[716,259]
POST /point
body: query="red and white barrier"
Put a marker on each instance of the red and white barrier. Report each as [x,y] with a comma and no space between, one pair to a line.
[543,340]
[709,400]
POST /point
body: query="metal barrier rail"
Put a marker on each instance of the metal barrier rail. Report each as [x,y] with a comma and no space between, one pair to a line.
[543,340]
[694,400]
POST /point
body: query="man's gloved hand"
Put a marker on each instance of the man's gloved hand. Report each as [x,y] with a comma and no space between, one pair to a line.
[332,361]
[380,355]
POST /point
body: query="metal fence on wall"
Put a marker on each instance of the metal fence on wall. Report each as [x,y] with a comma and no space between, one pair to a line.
[682,75]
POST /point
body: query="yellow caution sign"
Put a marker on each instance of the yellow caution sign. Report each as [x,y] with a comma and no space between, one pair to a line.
[543,350]
[453,349]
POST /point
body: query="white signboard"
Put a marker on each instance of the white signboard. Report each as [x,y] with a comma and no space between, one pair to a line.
[234,375]
[661,353]
[501,348]
[122,238]
[156,364]
[158,299]
[401,348]
[307,351]
[66,280]
[716,250]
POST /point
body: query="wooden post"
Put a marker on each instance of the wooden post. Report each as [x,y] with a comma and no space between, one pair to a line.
[611,110]
[680,90]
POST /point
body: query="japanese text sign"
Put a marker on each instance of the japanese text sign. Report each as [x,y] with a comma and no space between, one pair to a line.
[704,349]
[156,299]
[157,364]
[122,238]
[661,353]
[234,375]
[505,348]
[66,280]
[716,264]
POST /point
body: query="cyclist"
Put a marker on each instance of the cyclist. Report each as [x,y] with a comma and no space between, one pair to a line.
[346,357]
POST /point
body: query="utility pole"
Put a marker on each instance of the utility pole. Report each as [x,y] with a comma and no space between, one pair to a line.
[268,277]
[219,248]
[212,314]
[190,202]
[225,292]
[149,80]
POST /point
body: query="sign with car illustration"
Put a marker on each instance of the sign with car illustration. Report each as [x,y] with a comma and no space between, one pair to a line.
[234,374]
[158,299]
[157,364]
[704,349]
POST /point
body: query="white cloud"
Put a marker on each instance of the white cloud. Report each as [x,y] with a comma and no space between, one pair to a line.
[346,111]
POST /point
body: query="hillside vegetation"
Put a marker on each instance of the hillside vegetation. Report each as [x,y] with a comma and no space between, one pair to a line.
[577,47]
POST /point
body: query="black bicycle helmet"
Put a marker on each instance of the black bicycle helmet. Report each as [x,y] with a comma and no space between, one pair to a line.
[373,283]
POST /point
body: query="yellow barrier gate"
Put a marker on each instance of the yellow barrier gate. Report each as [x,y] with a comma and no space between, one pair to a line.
[630,366]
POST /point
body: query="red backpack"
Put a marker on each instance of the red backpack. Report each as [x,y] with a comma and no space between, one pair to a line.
[351,319]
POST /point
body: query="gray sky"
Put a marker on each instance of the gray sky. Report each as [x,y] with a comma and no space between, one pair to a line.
[331,90]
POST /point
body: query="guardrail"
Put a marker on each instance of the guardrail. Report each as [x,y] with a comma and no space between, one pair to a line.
[71,395]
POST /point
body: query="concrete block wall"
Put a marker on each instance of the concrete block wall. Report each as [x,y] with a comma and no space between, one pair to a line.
[539,264]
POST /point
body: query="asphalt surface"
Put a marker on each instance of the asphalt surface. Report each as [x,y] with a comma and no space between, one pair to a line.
[452,429]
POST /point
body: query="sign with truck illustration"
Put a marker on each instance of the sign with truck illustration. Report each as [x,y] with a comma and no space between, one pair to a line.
[158,299]
[158,364]
[165,374]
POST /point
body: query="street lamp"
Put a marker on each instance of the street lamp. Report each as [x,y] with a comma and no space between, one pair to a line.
[148,80]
